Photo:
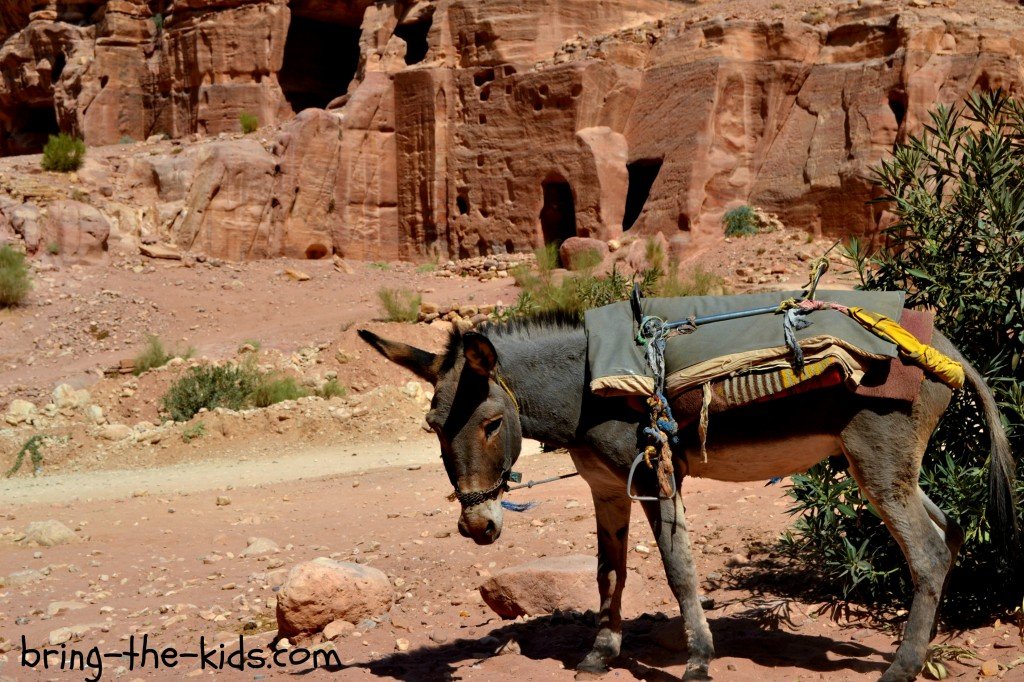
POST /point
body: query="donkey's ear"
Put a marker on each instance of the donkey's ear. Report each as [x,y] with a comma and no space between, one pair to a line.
[480,354]
[423,363]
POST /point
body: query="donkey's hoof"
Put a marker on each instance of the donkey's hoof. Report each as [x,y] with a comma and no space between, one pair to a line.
[696,674]
[591,667]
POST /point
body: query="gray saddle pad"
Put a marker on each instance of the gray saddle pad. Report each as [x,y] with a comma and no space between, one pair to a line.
[612,351]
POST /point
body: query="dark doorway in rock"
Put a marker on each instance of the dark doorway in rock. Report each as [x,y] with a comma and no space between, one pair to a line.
[415,37]
[642,174]
[316,251]
[320,60]
[898,105]
[558,215]
[26,129]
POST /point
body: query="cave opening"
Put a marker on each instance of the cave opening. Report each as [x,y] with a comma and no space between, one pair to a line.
[316,251]
[642,174]
[898,105]
[26,129]
[558,214]
[59,62]
[415,36]
[320,60]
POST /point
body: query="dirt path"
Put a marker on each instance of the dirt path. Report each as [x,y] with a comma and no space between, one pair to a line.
[194,477]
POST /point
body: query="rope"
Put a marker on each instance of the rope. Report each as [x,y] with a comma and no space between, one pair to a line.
[663,430]
[702,426]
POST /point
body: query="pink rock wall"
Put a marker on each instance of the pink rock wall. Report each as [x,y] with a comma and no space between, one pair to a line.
[513,123]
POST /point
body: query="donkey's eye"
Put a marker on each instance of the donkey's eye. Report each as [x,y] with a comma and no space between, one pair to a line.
[491,427]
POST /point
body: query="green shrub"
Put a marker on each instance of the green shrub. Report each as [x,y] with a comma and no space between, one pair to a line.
[14,279]
[30,447]
[210,387]
[156,355]
[63,153]
[190,433]
[271,390]
[958,191]
[740,222]
[332,388]
[248,121]
[53,248]
[400,305]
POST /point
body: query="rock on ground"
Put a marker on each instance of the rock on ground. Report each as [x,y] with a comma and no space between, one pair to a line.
[48,533]
[565,583]
[320,591]
[258,546]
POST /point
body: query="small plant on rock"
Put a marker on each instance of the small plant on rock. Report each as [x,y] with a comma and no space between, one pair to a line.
[249,122]
[63,153]
[53,248]
[400,305]
[14,279]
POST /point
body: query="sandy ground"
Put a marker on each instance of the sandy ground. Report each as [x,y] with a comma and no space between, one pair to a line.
[159,555]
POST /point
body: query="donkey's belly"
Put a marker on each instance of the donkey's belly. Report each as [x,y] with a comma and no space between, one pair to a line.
[742,459]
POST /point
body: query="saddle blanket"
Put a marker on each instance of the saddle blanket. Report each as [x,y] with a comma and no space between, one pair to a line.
[732,348]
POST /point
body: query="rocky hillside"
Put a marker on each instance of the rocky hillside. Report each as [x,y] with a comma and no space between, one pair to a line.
[455,128]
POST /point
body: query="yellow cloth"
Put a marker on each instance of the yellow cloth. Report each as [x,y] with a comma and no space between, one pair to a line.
[948,370]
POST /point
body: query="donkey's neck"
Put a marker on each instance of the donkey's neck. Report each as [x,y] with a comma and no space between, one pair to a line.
[547,375]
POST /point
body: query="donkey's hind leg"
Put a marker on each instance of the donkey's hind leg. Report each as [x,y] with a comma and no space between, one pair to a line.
[885,449]
[669,525]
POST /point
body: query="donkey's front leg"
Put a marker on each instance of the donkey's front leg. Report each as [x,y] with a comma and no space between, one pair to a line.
[669,527]
[612,510]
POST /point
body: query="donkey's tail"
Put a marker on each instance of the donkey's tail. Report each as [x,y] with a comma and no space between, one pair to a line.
[1002,504]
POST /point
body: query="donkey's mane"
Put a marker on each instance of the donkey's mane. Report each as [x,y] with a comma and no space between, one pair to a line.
[537,324]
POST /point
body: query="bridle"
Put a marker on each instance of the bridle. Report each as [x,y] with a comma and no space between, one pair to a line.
[475,497]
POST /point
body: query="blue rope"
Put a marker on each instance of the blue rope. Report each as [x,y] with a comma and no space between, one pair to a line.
[518,506]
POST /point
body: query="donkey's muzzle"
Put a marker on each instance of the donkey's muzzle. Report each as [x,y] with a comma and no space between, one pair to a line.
[481,522]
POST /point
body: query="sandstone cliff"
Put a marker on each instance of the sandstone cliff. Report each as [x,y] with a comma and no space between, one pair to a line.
[457,127]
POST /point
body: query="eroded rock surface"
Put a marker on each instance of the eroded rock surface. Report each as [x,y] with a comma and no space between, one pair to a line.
[456,129]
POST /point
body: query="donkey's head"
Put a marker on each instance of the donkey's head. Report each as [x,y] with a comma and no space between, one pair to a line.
[476,419]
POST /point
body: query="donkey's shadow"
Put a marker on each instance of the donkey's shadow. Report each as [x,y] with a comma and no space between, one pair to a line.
[566,638]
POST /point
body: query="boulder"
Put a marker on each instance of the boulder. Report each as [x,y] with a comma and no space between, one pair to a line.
[321,591]
[79,231]
[565,583]
[65,396]
[259,546]
[48,534]
[20,412]
[116,432]
[575,252]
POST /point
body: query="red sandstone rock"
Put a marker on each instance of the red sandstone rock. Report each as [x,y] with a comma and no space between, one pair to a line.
[79,232]
[321,591]
[574,249]
[566,583]
[521,122]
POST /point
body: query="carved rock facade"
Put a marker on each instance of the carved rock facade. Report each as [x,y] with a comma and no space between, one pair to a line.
[454,128]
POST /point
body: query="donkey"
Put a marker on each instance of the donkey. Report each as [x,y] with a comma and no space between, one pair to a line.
[528,379]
